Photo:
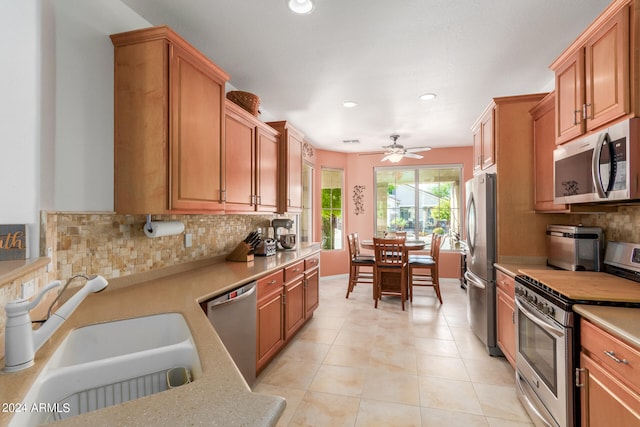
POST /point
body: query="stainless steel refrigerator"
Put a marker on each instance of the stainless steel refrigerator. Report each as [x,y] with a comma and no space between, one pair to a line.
[480,231]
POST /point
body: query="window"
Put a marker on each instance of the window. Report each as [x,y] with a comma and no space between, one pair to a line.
[420,201]
[332,208]
[306,220]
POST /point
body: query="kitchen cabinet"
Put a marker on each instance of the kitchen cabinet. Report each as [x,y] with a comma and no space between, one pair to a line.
[291,140]
[505,316]
[251,159]
[514,167]
[270,318]
[311,285]
[294,288]
[168,112]
[592,76]
[483,140]
[543,116]
[287,299]
[608,379]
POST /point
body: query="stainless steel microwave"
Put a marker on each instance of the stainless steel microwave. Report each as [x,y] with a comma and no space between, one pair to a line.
[600,167]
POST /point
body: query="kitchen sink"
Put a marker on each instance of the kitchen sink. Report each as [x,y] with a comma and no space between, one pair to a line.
[110,363]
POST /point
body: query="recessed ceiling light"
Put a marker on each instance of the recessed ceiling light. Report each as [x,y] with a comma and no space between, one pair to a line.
[349,104]
[427,97]
[301,7]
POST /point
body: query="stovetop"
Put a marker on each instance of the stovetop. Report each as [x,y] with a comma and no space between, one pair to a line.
[617,286]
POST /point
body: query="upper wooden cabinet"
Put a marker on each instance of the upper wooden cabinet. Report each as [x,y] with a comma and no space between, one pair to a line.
[290,196]
[169,103]
[592,75]
[544,143]
[483,140]
[251,158]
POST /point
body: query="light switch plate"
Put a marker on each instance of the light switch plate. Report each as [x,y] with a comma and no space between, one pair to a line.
[188,240]
[27,289]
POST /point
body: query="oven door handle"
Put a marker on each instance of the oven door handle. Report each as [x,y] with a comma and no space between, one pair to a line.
[540,321]
[523,388]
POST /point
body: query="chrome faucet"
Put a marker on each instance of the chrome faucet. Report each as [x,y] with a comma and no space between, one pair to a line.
[21,341]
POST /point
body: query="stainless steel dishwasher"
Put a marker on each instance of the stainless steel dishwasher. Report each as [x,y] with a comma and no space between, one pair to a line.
[233,315]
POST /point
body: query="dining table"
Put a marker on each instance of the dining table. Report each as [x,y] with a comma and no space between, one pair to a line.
[409,245]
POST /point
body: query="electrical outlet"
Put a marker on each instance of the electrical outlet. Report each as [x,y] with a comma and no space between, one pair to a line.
[188,240]
[50,255]
[27,289]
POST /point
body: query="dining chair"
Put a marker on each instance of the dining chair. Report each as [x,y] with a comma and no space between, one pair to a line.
[423,271]
[422,257]
[390,268]
[360,266]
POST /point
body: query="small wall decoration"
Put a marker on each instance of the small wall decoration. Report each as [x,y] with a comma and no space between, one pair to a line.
[307,150]
[358,198]
[13,242]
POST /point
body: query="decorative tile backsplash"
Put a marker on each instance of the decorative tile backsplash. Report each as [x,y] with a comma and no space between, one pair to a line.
[621,226]
[114,245]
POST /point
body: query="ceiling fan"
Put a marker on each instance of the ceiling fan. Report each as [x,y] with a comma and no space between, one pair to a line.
[395,152]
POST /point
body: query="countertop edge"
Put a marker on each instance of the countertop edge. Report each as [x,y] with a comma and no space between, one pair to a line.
[622,322]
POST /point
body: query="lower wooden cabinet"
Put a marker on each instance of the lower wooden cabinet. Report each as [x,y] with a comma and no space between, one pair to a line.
[270,318]
[286,301]
[608,379]
[294,312]
[505,316]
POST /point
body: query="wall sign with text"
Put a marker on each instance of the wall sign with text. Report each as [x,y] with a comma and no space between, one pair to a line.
[13,242]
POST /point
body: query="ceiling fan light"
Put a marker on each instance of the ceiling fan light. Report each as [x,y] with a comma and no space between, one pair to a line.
[300,7]
[394,157]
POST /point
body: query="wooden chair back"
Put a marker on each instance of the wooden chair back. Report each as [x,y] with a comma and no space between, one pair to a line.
[389,252]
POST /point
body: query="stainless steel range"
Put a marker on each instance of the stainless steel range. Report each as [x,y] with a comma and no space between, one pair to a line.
[546,345]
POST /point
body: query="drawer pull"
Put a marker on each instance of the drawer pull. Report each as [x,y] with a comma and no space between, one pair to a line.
[578,372]
[272,282]
[612,354]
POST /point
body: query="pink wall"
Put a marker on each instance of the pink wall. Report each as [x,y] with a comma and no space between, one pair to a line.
[358,170]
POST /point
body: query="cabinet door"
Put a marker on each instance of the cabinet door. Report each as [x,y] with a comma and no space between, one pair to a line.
[544,143]
[488,145]
[570,98]
[294,306]
[267,173]
[605,401]
[312,291]
[607,72]
[270,332]
[477,149]
[239,162]
[505,324]
[196,107]
[295,173]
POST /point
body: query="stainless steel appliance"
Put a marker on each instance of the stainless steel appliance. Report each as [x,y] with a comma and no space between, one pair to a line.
[284,235]
[233,315]
[546,346]
[575,247]
[599,167]
[480,231]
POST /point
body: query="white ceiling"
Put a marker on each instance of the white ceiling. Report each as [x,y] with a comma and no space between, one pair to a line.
[382,54]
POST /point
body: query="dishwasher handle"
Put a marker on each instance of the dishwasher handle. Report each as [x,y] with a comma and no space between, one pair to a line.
[220,301]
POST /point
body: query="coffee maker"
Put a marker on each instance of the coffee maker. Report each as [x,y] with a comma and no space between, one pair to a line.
[285,237]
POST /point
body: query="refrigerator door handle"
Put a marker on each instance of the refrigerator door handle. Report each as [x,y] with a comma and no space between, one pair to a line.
[473,281]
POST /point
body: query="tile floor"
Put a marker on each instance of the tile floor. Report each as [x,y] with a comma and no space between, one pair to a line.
[353,365]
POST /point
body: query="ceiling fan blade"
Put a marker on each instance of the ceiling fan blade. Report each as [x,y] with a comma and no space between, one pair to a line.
[418,149]
[412,155]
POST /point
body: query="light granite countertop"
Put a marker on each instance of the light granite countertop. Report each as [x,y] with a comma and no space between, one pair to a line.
[622,322]
[512,268]
[219,397]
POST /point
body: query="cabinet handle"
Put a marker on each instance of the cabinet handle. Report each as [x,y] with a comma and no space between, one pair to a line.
[258,200]
[578,383]
[223,195]
[575,113]
[612,354]
[272,282]
[586,116]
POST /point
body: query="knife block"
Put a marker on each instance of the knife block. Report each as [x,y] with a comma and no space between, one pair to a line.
[242,253]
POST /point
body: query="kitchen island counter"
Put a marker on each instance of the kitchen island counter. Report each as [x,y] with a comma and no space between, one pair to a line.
[220,396]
